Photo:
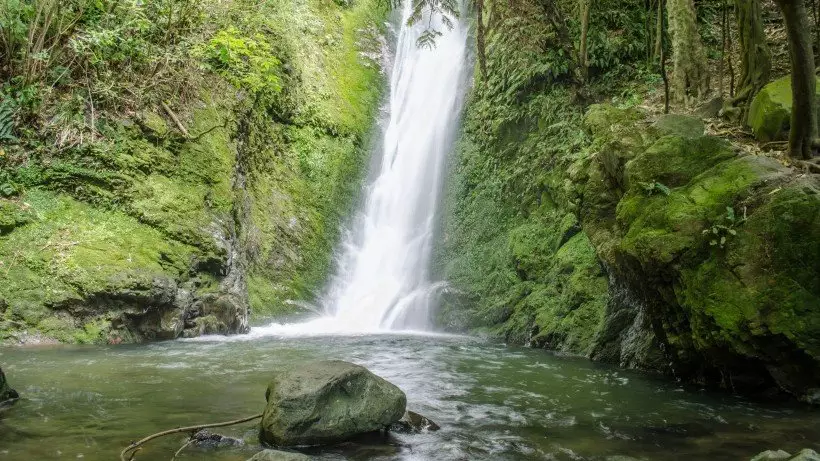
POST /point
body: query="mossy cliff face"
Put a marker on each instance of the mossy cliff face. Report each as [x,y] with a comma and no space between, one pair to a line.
[629,239]
[144,233]
[722,265]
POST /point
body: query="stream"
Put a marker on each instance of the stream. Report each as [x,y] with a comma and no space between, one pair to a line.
[493,402]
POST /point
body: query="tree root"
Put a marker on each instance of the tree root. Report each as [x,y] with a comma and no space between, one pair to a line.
[808,166]
[190,441]
[134,447]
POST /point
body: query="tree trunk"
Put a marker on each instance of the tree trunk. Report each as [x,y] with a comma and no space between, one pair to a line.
[756,60]
[690,79]
[804,106]
[659,30]
[583,54]
[480,41]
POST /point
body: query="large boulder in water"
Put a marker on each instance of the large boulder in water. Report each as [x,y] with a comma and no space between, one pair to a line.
[326,402]
[6,392]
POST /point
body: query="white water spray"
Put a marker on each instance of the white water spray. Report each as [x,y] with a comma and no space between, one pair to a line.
[382,282]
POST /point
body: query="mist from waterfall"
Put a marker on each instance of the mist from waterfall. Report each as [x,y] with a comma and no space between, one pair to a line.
[382,280]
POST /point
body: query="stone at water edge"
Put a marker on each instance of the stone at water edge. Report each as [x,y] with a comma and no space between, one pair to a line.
[413,422]
[276,455]
[6,392]
[210,440]
[325,402]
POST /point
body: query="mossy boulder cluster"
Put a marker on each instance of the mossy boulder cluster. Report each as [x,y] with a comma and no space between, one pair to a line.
[721,266]
[647,244]
[770,112]
[326,402]
[148,231]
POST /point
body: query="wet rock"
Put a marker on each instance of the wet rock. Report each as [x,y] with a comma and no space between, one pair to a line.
[6,392]
[325,402]
[276,455]
[772,455]
[413,422]
[806,455]
[708,279]
[210,440]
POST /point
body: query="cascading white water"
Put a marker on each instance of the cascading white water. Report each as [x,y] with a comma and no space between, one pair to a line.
[382,281]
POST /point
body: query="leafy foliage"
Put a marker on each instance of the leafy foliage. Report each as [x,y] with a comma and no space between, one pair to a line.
[246,62]
[719,233]
[6,123]
[444,11]
[654,187]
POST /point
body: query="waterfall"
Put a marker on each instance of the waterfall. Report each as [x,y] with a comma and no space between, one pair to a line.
[382,280]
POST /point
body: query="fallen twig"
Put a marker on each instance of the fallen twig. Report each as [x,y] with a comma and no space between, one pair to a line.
[175,119]
[190,441]
[137,445]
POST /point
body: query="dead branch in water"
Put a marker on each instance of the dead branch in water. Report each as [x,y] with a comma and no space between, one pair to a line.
[136,446]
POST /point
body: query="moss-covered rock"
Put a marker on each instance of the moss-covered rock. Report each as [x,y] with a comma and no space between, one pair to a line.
[326,402]
[12,215]
[679,125]
[714,262]
[770,111]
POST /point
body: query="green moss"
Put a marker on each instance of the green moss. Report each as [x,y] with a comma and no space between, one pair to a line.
[73,249]
[673,160]
[770,111]
[679,125]
[766,284]
[13,215]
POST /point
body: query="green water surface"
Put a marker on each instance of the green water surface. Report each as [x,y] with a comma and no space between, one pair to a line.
[493,402]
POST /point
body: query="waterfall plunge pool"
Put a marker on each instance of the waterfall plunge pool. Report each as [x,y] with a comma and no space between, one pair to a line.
[493,402]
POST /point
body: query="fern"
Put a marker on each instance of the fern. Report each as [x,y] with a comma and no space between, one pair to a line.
[655,187]
[6,124]
[445,10]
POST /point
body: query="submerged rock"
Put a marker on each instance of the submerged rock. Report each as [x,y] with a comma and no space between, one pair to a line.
[207,439]
[276,455]
[413,422]
[326,402]
[806,455]
[772,455]
[6,392]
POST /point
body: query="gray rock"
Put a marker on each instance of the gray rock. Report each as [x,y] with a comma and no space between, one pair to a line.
[207,439]
[6,392]
[679,125]
[806,455]
[276,455]
[413,422]
[711,108]
[326,402]
[771,455]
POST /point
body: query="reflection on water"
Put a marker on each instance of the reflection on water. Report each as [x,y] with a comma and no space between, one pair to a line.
[493,402]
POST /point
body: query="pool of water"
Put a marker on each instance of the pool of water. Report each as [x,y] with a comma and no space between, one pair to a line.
[493,402]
